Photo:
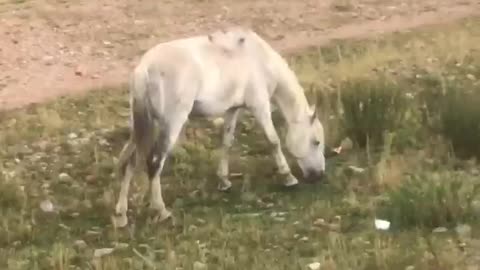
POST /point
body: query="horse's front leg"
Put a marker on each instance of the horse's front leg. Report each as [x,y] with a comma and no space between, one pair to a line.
[229,125]
[263,116]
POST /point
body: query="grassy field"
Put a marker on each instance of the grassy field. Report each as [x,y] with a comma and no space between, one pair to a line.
[408,102]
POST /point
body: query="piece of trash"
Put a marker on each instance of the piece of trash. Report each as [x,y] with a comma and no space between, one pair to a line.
[102,252]
[382,224]
[314,266]
[46,206]
[440,230]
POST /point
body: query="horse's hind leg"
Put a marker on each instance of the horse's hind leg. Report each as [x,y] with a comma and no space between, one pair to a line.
[125,170]
[168,136]
[228,137]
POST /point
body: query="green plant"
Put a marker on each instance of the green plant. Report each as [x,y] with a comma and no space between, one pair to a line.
[460,121]
[431,200]
[372,108]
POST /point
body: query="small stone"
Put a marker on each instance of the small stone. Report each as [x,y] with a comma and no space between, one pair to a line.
[218,122]
[356,169]
[314,266]
[199,266]
[80,71]
[471,77]
[47,60]
[121,245]
[440,230]
[102,252]
[72,136]
[304,239]
[80,244]
[464,231]
[410,267]
[46,206]
[64,177]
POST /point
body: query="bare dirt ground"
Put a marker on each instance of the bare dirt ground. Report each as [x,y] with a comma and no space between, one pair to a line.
[50,48]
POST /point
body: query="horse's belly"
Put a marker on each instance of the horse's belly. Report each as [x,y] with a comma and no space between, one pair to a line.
[209,109]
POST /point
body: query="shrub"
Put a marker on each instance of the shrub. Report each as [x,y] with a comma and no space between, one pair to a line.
[460,121]
[432,200]
[372,108]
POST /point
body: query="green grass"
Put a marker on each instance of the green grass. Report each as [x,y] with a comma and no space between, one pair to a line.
[65,152]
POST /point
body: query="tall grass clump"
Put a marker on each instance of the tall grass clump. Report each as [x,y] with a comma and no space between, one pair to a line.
[460,121]
[371,109]
[430,200]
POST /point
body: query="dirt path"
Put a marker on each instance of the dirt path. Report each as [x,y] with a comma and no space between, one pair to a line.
[50,48]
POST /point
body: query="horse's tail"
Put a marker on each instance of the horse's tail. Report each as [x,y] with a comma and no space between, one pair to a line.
[141,108]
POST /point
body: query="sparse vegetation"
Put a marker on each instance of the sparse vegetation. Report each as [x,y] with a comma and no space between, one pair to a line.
[64,153]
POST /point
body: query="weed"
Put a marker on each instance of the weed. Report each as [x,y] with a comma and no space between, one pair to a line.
[371,109]
[432,200]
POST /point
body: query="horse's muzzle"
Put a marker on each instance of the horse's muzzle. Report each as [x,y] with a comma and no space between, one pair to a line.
[313,176]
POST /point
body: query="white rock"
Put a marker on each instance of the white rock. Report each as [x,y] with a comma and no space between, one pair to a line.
[199,266]
[218,122]
[46,206]
[102,252]
[382,224]
[440,230]
[80,244]
[314,266]
[356,169]
[464,231]
[72,136]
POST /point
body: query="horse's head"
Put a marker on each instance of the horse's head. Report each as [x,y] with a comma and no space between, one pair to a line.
[306,142]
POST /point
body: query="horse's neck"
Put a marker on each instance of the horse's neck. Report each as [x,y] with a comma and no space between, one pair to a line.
[290,97]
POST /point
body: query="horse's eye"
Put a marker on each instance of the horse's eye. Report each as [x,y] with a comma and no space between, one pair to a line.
[316,142]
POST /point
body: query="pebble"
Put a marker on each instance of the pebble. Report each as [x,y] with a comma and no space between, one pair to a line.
[102,252]
[314,266]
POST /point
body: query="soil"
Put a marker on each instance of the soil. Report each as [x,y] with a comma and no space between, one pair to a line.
[50,48]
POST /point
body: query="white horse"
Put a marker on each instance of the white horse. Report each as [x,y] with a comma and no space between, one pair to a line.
[215,76]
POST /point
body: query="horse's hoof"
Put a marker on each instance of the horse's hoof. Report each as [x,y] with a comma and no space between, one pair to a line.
[290,182]
[161,216]
[119,220]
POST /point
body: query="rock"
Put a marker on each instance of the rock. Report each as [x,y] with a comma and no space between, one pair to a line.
[102,252]
[80,244]
[47,60]
[46,206]
[464,231]
[471,77]
[121,245]
[218,122]
[64,177]
[199,266]
[355,169]
[410,267]
[80,71]
[314,266]
[440,230]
